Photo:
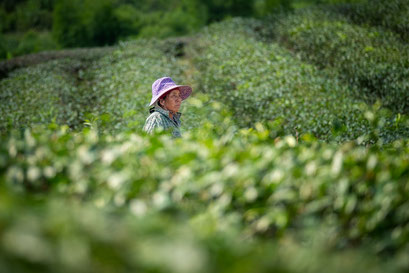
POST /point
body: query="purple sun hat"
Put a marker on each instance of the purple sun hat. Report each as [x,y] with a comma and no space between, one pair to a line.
[166,84]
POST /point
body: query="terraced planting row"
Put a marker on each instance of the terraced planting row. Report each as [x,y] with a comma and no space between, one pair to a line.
[111,92]
[373,61]
[42,94]
[246,185]
[264,82]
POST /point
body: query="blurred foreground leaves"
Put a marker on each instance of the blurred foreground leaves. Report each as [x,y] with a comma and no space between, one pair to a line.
[241,201]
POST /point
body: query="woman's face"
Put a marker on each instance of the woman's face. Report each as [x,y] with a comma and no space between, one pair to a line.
[172,101]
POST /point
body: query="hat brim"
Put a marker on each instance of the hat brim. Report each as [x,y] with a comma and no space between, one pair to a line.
[185,92]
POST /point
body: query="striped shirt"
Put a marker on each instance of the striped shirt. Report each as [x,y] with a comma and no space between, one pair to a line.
[160,119]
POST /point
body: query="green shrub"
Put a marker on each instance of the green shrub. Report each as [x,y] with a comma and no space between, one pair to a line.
[89,24]
[100,22]
[68,28]
[175,18]
[5,20]
[372,60]
[10,43]
[98,195]
[168,24]
[119,192]
[121,82]
[111,92]
[33,42]
[85,23]
[259,82]
[3,49]
[263,82]
[31,15]
[42,94]
[389,14]
[20,16]
[129,22]
[266,7]
[63,236]
[218,10]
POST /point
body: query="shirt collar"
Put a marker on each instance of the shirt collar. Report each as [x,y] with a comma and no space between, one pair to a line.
[166,112]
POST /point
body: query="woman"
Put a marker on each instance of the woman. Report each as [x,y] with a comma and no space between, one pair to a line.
[166,100]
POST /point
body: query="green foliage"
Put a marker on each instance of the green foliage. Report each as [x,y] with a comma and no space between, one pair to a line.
[3,49]
[85,23]
[41,94]
[5,20]
[100,22]
[121,82]
[392,14]
[25,28]
[320,2]
[32,41]
[219,10]
[179,21]
[128,19]
[21,16]
[32,15]
[259,82]
[112,91]
[372,60]
[248,188]
[268,7]
[12,5]
[117,87]
[67,24]
[263,82]
[132,197]
[9,43]
[104,22]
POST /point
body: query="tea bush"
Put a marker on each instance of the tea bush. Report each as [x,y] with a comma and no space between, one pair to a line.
[258,82]
[264,82]
[122,82]
[392,14]
[372,60]
[111,92]
[62,236]
[40,95]
[282,168]
[109,190]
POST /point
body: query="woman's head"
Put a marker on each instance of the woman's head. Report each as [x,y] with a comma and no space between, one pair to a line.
[165,85]
[171,100]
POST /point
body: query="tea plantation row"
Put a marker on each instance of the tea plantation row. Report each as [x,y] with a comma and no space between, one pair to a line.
[261,81]
[110,92]
[374,61]
[258,81]
[153,203]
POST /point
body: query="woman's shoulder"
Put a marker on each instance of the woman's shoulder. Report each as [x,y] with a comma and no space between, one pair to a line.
[154,115]
[154,120]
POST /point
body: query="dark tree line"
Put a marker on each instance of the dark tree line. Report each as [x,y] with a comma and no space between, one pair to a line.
[102,22]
